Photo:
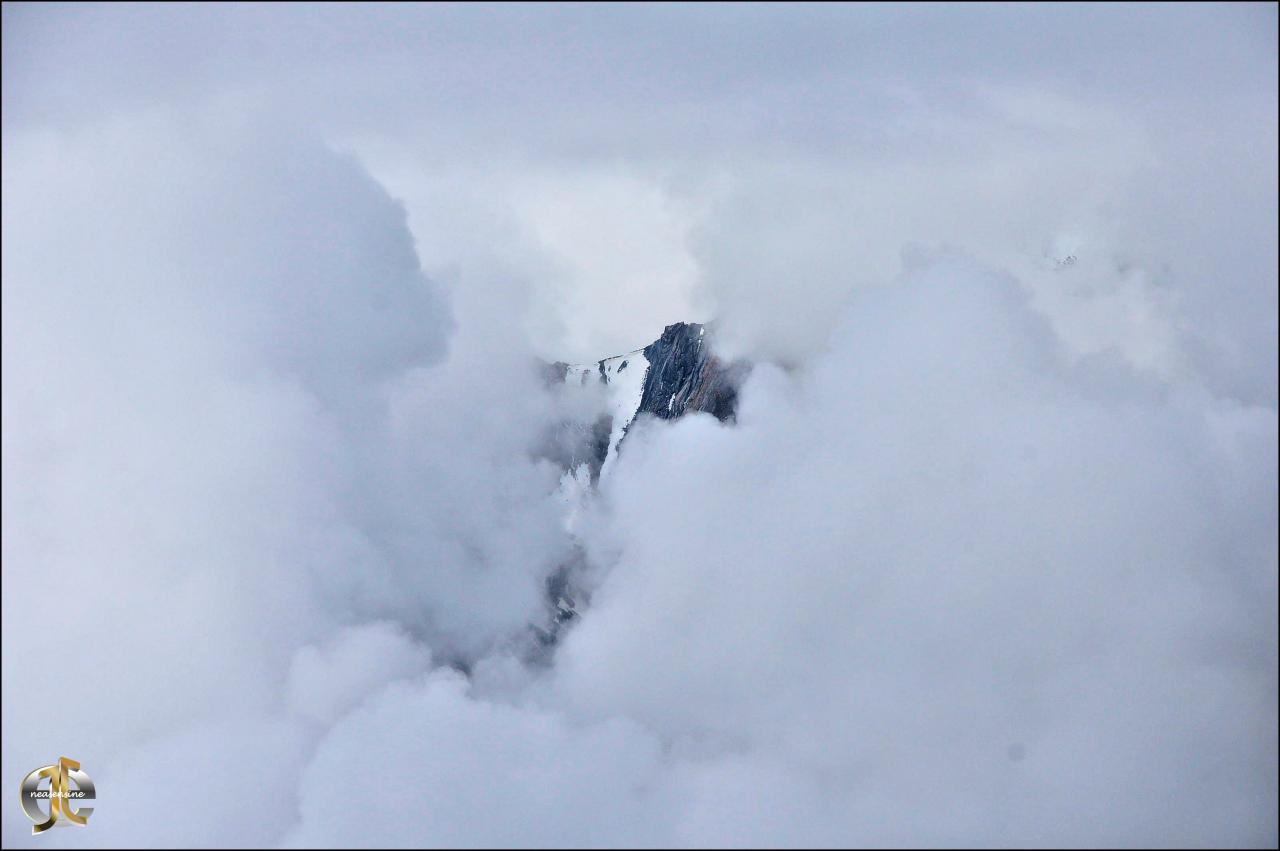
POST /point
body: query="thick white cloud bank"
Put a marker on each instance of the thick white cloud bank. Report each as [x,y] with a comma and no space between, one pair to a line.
[989,556]
[939,589]
[229,441]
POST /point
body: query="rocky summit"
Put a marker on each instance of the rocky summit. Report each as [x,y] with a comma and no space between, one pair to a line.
[672,376]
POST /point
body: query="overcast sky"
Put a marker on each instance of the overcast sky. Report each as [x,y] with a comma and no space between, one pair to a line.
[989,556]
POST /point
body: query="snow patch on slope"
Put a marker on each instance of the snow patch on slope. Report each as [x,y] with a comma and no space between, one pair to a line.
[624,376]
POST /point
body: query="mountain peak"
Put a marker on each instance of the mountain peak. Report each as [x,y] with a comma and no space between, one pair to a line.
[676,374]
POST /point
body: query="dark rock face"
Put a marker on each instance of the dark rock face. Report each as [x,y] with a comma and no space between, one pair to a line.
[684,376]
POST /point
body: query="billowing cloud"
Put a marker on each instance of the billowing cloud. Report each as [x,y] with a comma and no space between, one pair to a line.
[226,432]
[943,575]
[988,556]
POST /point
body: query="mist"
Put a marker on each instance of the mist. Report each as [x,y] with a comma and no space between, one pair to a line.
[987,557]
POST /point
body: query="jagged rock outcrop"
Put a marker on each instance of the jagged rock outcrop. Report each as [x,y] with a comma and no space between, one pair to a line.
[674,375]
[684,376]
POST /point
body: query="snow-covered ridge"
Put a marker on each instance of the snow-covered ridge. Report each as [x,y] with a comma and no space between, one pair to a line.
[674,374]
[624,378]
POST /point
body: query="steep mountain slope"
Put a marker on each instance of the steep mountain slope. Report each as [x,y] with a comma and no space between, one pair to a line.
[673,375]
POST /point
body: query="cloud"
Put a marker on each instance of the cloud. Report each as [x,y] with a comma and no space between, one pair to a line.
[988,557]
[226,447]
[940,546]
[942,584]
[423,762]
